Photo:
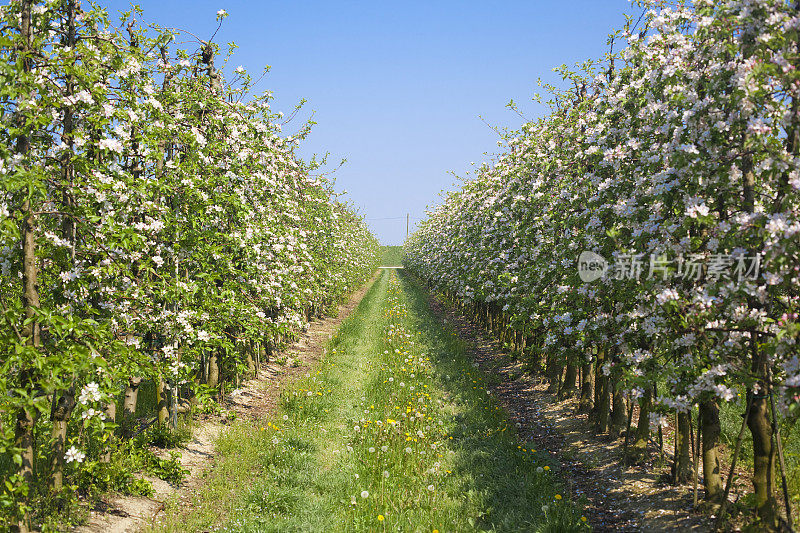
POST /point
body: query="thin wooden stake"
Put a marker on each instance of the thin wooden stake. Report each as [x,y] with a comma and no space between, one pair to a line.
[676,454]
[736,450]
[776,430]
[696,453]
[691,430]
[173,404]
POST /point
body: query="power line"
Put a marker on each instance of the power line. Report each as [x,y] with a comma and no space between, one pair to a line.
[395,218]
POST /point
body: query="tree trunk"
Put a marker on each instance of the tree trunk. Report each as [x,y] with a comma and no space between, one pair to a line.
[111,416]
[602,406]
[63,406]
[553,372]
[682,463]
[710,429]
[639,449]
[23,430]
[31,332]
[23,439]
[536,355]
[68,226]
[129,406]
[249,351]
[269,349]
[162,408]
[570,375]
[758,419]
[763,461]
[758,422]
[619,416]
[586,402]
[213,370]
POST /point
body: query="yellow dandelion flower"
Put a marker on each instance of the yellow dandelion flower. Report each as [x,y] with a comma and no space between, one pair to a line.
[558,496]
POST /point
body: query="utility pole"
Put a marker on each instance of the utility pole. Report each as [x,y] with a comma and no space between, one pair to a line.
[408,216]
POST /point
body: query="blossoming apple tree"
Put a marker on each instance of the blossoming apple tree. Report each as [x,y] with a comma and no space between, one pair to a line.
[155,224]
[677,160]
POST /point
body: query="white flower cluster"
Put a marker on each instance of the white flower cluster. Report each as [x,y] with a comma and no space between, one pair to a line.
[90,393]
[74,454]
[82,96]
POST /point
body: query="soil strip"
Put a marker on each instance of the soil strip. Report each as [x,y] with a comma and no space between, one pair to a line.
[617,498]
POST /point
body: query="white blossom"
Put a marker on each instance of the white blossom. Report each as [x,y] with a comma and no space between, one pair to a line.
[111,144]
[73,454]
[90,393]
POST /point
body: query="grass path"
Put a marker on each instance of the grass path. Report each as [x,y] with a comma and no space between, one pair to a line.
[392,256]
[393,431]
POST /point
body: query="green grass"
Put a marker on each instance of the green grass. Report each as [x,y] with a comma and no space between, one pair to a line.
[392,256]
[393,431]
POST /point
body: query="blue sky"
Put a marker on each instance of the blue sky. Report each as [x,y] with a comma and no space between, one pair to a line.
[399,88]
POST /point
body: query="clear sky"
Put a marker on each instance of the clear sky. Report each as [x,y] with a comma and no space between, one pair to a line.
[402,90]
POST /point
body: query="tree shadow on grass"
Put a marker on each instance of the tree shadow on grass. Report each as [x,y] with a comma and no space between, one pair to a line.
[509,487]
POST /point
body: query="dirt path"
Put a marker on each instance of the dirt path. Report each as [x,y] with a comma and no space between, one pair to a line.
[619,499]
[255,398]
